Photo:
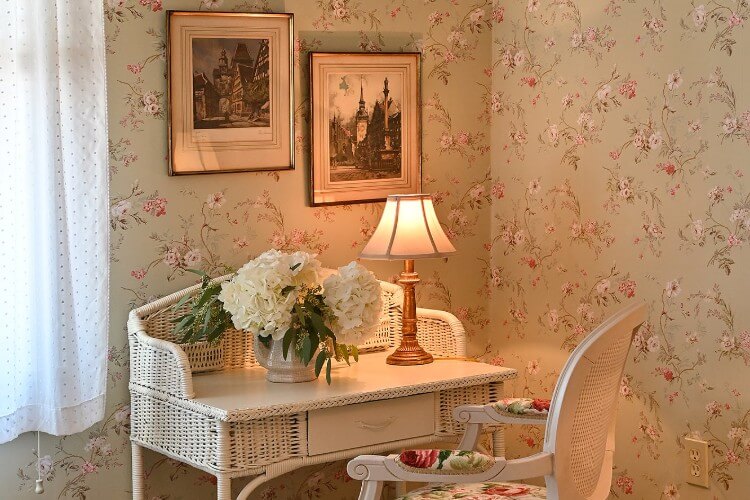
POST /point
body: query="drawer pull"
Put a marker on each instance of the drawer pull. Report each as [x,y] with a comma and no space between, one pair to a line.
[375,427]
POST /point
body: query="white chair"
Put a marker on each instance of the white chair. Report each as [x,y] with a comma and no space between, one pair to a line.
[577,456]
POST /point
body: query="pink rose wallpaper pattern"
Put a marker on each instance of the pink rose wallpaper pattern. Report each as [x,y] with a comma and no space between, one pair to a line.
[617,136]
[582,155]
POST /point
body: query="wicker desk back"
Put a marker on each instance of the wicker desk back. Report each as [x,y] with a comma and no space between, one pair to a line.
[236,348]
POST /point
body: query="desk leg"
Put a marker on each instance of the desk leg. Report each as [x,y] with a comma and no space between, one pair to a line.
[498,442]
[400,488]
[223,487]
[137,459]
[498,436]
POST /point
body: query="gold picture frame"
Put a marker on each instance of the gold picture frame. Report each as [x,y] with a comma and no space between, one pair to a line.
[230,92]
[365,126]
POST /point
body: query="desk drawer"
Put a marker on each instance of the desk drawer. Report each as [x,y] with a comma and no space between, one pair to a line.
[366,424]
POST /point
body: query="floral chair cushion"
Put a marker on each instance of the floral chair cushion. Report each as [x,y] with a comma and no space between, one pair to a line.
[478,491]
[523,407]
[445,461]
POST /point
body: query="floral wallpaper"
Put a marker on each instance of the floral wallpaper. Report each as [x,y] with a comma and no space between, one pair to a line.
[582,155]
[162,225]
[619,134]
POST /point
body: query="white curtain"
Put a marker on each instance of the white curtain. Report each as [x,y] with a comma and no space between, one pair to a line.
[53,216]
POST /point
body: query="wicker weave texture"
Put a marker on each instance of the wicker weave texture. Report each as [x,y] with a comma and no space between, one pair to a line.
[194,440]
[166,419]
[235,349]
[432,327]
[251,444]
[268,440]
[598,397]
[159,365]
[450,399]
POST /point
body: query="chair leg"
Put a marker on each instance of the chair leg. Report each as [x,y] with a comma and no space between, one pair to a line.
[137,471]
[223,487]
[371,490]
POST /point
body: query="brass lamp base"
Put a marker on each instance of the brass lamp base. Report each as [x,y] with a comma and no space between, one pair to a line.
[409,352]
[408,357]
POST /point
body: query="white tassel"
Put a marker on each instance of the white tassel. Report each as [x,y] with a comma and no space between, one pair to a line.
[39,488]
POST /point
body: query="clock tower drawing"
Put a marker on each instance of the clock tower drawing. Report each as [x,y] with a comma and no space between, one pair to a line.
[362,117]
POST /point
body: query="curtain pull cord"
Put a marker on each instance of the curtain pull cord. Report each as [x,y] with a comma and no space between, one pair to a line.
[39,489]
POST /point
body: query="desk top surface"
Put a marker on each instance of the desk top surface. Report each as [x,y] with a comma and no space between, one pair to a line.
[245,393]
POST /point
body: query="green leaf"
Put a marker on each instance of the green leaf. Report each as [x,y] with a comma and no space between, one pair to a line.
[180,318]
[205,297]
[295,266]
[442,456]
[288,338]
[196,271]
[306,350]
[182,302]
[320,325]
[335,344]
[355,352]
[184,322]
[300,313]
[319,362]
[328,372]
[266,341]
[207,319]
[343,353]
[285,291]
[314,339]
[216,332]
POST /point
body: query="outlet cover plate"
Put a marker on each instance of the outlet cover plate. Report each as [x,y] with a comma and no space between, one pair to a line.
[696,469]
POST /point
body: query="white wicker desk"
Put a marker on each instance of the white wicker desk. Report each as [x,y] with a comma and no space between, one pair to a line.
[233,423]
[244,394]
[401,395]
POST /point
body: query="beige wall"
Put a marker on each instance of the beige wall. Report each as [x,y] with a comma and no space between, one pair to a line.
[555,225]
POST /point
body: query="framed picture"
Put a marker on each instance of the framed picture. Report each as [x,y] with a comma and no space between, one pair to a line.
[365,126]
[231,92]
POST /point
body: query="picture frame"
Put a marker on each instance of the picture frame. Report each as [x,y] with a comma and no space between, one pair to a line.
[230,92]
[363,149]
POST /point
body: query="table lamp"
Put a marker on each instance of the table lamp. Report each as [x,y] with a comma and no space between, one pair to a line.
[408,230]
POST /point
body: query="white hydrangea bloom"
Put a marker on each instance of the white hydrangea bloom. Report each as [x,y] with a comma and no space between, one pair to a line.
[254,296]
[353,295]
[308,270]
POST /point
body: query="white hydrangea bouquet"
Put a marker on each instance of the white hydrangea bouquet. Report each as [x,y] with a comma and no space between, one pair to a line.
[280,297]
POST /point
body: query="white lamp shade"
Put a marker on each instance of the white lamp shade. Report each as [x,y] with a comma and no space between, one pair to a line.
[408,229]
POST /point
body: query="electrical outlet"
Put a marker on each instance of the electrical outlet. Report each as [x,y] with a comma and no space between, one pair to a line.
[697,462]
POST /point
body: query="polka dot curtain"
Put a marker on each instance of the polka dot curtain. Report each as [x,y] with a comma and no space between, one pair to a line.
[53,216]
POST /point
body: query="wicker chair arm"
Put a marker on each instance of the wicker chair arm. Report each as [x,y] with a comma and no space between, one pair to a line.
[489,414]
[441,333]
[158,364]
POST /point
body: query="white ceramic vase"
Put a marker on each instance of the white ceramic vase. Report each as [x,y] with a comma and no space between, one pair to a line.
[280,369]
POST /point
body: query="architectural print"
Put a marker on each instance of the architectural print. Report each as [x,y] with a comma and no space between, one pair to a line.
[365,126]
[365,139]
[231,101]
[230,92]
